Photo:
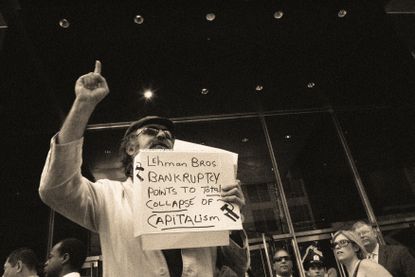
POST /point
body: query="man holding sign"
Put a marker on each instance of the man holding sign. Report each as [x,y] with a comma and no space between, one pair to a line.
[106,206]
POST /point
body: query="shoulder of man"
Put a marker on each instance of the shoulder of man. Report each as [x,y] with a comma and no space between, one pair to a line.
[400,251]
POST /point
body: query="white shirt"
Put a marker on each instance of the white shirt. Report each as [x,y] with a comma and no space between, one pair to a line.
[374,255]
[106,207]
[72,274]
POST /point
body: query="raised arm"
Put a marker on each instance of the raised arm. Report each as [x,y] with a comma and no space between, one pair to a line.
[62,186]
[90,89]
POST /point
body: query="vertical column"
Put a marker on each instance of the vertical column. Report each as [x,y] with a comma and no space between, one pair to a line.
[356,176]
[283,198]
[51,230]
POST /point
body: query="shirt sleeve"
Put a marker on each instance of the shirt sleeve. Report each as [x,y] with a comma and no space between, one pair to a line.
[64,189]
[236,256]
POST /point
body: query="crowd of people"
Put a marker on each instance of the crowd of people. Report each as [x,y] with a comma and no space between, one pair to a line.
[64,260]
[358,250]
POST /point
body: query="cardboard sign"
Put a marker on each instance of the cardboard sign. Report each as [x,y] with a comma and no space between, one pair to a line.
[177,199]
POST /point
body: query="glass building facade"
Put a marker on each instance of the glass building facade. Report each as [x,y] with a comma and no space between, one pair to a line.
[304,174]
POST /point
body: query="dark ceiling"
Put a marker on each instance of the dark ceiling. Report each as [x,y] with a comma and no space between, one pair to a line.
[319,53]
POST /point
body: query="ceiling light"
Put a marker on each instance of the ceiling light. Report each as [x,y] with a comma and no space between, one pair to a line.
[259,88]
[148,94]
[138,19]
[210,17]
[204,91]
[278,14]
[342,13]
[64,23]
[311,85]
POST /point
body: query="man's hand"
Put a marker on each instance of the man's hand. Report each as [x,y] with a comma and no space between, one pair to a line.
[92,87]
[233,194]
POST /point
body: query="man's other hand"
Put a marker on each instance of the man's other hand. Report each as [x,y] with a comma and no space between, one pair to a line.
[232,193]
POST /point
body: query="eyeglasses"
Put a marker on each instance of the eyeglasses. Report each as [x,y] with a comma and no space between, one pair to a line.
[279,259]
[154,131]
[341,243]
[363,233]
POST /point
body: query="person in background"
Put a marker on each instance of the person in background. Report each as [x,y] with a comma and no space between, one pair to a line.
[21,262]
[350,252]
[314,263]
[65,259]
[282,263]
[397,259]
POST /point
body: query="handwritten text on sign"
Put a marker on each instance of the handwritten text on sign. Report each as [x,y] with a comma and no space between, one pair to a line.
[181,190]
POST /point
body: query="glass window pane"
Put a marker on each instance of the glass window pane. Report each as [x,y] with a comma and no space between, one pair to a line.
[383,146]
[400,234]
[259,262]
[101,155]
[23,216]
[316,176]
[65,228]
[263,211]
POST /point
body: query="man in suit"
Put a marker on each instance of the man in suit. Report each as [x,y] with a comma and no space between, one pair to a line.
[66,259]
[21,262]
[395,258]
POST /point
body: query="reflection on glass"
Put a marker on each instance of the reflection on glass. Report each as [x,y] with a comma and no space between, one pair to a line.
[101,155]
[263,211]
[64,228]
[263,208]
[316,177]
[383,146]
[259,266]
[400,235]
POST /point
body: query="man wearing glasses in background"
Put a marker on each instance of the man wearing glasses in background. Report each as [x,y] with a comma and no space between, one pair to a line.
[106,206]
[395,258]
[282,263]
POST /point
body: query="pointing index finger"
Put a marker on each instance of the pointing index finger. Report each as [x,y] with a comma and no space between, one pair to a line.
[97,67]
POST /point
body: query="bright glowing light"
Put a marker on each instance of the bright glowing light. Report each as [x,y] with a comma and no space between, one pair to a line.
[278,14]
[342,13]
[204,91]
[148,94]
[138,19]
[210,17]
[64,23]
[259,88]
